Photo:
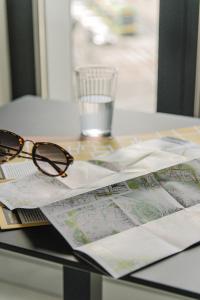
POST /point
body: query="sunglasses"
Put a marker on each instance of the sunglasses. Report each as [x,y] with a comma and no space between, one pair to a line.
[49,158]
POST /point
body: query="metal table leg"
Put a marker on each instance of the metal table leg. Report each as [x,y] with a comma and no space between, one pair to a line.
[81,285]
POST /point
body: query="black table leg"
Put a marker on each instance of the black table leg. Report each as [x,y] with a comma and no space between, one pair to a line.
[81,285]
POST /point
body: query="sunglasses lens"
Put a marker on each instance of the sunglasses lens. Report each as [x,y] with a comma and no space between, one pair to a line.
[50,159]
[9,145]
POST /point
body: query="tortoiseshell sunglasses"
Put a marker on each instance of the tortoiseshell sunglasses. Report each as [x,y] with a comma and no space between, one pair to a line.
[49,158]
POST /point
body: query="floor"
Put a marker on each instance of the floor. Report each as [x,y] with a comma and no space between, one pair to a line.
[13,292]
[111,292]
[23,278]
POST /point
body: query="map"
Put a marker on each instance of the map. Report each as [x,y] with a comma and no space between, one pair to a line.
[127,208]
[131,224]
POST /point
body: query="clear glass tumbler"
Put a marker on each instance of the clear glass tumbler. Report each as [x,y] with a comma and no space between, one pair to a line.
[96,89]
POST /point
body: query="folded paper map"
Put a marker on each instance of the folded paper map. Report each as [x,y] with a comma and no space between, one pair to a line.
[142,203]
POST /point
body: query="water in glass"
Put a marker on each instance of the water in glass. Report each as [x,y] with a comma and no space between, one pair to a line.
[96,115]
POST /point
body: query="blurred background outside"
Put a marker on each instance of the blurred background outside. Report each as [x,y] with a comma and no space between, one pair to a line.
[124,34]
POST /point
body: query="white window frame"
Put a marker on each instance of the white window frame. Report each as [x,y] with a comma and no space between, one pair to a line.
[5,79]
[53,49]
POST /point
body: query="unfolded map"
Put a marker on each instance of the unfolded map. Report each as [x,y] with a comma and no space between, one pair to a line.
[140,204]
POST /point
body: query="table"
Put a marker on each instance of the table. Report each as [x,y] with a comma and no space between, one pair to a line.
[179,274]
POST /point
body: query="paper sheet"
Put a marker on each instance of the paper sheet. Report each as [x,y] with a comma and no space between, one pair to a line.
[31,191]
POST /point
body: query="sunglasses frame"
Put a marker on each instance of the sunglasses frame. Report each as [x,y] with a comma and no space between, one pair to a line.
[68,156]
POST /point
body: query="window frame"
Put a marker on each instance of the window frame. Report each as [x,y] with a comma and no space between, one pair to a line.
[177,56]
[21,47]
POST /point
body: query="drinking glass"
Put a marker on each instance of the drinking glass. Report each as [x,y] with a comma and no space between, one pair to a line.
[96,89]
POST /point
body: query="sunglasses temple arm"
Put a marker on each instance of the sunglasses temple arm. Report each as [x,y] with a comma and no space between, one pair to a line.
[70,158]
[38,156]
[42,158]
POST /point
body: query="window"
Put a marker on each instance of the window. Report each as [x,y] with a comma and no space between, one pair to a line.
[122,33]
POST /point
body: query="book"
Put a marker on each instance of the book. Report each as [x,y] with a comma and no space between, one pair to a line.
[21,218]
